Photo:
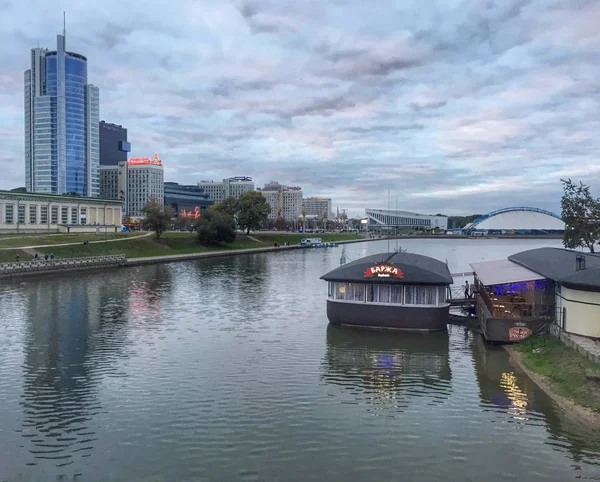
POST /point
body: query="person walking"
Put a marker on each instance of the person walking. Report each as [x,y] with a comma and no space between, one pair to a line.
[466,289]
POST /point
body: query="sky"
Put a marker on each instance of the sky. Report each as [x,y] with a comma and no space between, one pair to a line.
[437,106]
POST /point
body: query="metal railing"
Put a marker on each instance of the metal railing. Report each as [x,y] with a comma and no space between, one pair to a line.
[57,264]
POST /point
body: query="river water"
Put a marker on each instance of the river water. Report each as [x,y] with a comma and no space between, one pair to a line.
[226,369]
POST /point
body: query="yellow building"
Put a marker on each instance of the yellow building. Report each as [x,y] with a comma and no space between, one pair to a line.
[24,212]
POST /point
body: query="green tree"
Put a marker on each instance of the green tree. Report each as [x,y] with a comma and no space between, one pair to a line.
[280,223]
[157,217]
[253,211]
[581,214]
[228,206]
[215,227]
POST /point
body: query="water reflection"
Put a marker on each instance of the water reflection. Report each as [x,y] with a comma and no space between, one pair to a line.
[75,331]
[506,391]
[388,367]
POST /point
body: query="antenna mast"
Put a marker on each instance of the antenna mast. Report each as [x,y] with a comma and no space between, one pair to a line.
[65,28]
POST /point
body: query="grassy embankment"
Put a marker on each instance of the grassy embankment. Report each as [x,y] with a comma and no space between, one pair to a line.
[568,373]
[169,244]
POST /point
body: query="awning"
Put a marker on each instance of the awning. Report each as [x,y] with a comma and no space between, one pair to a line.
[501,272]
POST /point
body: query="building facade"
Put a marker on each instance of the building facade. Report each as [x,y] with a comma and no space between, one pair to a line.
[285,201]
[113,144]
[393,219]
[321,207]
[62,146]
[134,183]
[230,187]
[31,213]
[187,201]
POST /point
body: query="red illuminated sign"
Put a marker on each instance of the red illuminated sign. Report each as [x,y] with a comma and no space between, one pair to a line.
[383,271]
[141,161]
[190,214]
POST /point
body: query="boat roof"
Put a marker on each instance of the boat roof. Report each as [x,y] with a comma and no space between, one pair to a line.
[503,271]
[560,266]
[415,268]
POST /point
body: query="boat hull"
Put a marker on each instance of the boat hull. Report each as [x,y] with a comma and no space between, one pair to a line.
[399,317]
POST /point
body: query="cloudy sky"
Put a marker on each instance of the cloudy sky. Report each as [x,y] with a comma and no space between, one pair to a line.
[455,106]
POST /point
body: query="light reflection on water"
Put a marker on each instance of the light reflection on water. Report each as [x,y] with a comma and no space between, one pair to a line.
[227,370]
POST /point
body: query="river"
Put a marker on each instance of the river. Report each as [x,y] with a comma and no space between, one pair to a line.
[226,369]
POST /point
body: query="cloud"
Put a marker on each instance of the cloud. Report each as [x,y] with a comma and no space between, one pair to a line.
[455,106]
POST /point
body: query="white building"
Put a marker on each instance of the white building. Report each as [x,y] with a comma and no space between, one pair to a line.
[394,219]
[134,182]
[318,206]
[51,213]
[285,201]
[230,187]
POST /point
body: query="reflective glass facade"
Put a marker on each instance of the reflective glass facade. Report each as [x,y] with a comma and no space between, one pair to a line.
[61,124]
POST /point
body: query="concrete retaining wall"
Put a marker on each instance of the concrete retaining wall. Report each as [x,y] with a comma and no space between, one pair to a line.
[35,268]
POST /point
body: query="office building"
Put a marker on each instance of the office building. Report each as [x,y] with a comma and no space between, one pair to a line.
[285,201]
[320,207]
[61,124]
[378,219]
[113,144]
[230,187]
[50,213]
[186,200]
[135,183]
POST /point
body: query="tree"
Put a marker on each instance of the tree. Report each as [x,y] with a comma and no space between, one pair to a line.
[157,217]
[253,211]
[581,214]
[215,227]
[280,223]
[228,206]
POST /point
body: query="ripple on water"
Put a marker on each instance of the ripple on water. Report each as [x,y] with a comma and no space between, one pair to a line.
[226,370]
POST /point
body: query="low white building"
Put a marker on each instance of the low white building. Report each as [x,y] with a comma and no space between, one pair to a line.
[285,201]
[50,213]
[134,182]
[395,219]
[230,187]
[318,206]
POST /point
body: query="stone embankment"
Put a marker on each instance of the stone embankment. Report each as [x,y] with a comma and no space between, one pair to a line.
[41,266]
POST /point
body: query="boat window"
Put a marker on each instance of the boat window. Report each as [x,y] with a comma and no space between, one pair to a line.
[410,295]
[421,295]
[441,295]
[397,294]
[340,291]
[384,294]
[359,292]
[431,295]
[371,293]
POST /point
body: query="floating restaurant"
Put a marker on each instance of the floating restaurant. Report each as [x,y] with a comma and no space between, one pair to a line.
[403,291]
[521,295]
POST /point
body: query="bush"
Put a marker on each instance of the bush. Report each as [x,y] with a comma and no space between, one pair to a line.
[215,227]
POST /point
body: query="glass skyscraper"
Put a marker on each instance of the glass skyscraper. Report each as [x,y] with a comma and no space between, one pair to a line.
[62,145]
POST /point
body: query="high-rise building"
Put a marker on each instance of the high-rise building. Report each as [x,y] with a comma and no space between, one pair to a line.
[285,201]
[135,183]
[230,187]
[113,144]
[61,124]
[318,206]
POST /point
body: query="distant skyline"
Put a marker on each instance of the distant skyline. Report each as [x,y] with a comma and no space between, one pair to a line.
[454,106]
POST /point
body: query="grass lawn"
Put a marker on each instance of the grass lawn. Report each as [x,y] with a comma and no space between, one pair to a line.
[569,373]
[42,239]
[11,255]
[178,243]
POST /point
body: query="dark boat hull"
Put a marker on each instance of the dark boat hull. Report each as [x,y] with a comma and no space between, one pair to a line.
[409,318]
